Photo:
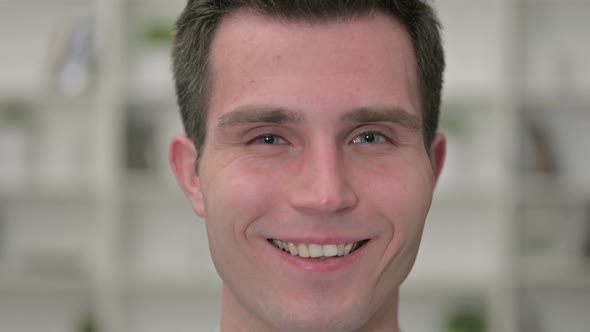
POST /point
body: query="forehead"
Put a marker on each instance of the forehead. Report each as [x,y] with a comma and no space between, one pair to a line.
[342,64]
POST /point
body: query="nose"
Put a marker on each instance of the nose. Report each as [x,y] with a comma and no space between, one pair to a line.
[323,184]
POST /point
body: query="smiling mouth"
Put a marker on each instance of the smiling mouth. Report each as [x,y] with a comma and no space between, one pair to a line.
[318,250]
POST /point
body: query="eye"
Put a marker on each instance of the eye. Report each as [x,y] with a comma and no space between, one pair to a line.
[369,138]
[268,139]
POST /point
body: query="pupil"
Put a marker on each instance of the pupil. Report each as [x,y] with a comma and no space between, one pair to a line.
[369,137]
[269,139]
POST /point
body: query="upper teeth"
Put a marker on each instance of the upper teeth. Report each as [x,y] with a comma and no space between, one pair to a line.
[316,250]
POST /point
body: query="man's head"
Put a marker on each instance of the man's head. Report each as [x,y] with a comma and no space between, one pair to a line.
[313,137]
[198,23]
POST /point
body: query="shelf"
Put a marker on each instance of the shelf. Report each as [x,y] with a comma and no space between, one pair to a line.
[145,187]
[466,198]
[18,284]
[36,194]
[559,3]
[45,3]
[173,5]
[184,286]
[545,190]
[39,103]
[460,101]
[539,103]
[162,197]
[455,286]
[555,275]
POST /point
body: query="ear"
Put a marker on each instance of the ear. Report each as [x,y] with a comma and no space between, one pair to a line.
[438,151]
[183,159]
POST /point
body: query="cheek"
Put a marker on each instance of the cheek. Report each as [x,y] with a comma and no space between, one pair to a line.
[237,197]
[401,192]
[240,192]
[403,183]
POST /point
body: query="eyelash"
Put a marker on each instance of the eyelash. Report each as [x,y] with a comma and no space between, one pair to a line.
[375,134]
[260,138]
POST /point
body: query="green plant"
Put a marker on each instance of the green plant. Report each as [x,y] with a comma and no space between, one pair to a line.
[157,32]
[453,124]
[467,320]
[15,113]
[88,325]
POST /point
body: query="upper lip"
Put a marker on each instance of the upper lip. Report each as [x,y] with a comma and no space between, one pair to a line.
[320,240]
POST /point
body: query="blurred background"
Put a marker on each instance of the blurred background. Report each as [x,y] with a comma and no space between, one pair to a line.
[96,236]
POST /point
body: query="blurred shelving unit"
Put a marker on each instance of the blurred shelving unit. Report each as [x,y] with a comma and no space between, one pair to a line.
[510,221]
[553,210]
[93,224]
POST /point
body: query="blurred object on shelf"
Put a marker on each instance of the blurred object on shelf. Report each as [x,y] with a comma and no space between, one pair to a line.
[455,127]
[48,241]
[542,234]
[150,65]
[167,125]
[89,324]
[539,156]
[150,126]
[565,74]
[555,58]
[157,32]
[71,58]
[16,126]
[552,157]
[53,262]
[467,319]
[554,236]
[63,151]
[453,123]
[529,321]
[15,113]
[544,160]
[2,239]
[139,139]
[586,248]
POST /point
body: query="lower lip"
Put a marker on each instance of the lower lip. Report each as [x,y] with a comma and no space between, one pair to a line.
[325,265]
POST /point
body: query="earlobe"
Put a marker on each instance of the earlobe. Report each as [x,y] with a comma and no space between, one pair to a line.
[183,158]
[438,150]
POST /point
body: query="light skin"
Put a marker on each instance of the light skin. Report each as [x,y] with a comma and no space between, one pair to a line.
[314,135]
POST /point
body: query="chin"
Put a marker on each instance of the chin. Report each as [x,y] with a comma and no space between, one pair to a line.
[318,324]
[324,318]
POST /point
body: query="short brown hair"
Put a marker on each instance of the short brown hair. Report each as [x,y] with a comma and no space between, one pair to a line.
[196,27]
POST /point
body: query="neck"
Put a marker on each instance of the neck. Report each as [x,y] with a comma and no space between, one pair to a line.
[236,318]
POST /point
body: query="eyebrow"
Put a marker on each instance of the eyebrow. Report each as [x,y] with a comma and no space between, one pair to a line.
[385,113]
[248,114]
[259,114]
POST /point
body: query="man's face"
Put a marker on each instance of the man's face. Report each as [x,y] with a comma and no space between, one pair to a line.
[314,137]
